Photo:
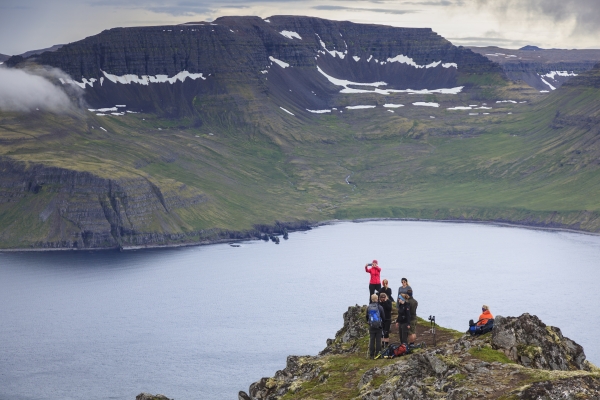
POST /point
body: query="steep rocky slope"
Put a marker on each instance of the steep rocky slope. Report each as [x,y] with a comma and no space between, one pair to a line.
[521,359]
[543,69]
[300,62]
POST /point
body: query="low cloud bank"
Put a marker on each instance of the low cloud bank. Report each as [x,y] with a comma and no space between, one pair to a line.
[28,90]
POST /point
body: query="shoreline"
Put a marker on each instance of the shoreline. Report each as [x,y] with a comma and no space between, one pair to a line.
[312,225]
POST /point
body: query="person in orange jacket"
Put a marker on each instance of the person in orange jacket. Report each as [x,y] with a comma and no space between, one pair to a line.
[485,316]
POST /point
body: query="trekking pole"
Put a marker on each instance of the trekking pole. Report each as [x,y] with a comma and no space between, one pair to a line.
[432,325]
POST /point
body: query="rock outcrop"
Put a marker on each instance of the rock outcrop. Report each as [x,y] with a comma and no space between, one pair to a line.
[531,343]
[461,367]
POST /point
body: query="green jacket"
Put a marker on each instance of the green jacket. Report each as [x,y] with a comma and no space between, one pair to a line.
[413,308]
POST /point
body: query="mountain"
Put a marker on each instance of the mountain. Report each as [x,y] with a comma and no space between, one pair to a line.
[40,51]
[268,57]
[4,57]
[543,69]
[530,48]
[245,127]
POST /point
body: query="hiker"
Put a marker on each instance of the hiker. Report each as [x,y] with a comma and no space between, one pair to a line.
[375,315]
[403,320]
[375,282]
[386,304]
[387,290]
[404,288]
[485,323]
[412,330]
[485,316]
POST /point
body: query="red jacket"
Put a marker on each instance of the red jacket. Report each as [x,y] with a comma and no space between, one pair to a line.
[484,317]
[374,271]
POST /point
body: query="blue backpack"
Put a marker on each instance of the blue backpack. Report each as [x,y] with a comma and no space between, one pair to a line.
[374,316]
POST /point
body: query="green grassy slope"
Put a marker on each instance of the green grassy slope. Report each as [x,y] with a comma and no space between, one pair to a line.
[534,163]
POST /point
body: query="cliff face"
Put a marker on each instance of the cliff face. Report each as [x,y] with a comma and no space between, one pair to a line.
[166,68]
[72,209]
[541,364]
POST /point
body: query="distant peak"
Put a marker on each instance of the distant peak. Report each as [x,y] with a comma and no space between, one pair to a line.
[531,48]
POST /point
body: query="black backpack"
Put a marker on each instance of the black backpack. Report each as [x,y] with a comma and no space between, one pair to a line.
[374,316]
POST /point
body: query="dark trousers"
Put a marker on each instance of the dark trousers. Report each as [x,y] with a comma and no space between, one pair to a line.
[372,288]
[403,332]
[387,323]
[374,342]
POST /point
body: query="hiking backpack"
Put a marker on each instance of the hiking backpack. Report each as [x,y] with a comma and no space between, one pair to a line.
[374,316]
[400,350]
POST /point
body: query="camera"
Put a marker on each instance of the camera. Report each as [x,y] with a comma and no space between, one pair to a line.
[370,264]
[431,318]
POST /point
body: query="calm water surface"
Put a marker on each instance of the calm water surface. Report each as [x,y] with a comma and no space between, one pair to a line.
[205,322]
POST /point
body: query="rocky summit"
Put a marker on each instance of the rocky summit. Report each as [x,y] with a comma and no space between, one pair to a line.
[521,359]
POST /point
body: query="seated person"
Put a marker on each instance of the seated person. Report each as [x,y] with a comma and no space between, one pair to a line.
[485,323]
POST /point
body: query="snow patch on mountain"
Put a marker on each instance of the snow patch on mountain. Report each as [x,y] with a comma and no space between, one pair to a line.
[400,58]
[389,105]
[286,111]
[282,64]
[346,89]
[333,53]
[359,107]
[290,34]
[425,104]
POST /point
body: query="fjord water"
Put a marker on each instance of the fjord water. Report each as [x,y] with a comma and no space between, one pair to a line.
[205,322]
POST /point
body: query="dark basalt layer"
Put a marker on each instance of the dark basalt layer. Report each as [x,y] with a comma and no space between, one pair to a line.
[233,51]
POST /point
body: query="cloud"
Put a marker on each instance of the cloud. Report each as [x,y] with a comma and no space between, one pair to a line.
[379,10]
[24,91]
[584,13]
[485,41]
[174,8]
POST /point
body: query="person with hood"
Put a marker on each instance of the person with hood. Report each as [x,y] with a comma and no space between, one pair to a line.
[375,315]
[403,320]
[375,282]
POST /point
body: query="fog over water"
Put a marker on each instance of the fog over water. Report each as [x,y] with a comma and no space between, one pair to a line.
[205,322]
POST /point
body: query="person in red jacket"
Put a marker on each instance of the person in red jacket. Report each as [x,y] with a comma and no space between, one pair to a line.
[375,282]
[485,316]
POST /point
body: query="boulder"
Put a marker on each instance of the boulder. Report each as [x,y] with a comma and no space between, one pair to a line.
[148,396]
[531,343]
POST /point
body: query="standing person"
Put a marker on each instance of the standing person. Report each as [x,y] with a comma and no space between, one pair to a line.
[412,330]
[387,290]
[375,315]
[375,282]
[403,321]
[404,288]
[386,304]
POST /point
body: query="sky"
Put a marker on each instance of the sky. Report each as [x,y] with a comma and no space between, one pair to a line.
[36,24]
